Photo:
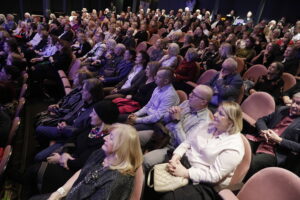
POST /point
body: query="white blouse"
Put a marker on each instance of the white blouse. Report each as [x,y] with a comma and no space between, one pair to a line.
[213,158]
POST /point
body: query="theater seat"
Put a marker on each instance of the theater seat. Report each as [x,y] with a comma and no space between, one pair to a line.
[271,183]
[254,72]
[257,105]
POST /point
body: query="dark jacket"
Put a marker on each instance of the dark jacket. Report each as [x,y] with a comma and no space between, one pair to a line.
[291,135]
[227,88]
[67,36]
[96,182]
[122,70]
[139,79]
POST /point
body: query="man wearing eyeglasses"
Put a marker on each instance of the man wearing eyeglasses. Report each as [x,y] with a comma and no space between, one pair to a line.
[181,120]
[226,84]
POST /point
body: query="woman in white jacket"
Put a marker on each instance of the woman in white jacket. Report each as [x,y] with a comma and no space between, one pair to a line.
[213,151]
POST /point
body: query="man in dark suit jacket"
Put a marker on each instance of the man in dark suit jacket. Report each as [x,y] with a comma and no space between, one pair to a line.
[68,34]
[277,142]
[226,84]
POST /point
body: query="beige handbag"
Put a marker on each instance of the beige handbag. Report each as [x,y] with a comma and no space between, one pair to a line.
[164,181]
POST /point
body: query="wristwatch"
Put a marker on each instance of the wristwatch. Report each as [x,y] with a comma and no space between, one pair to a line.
[61,191]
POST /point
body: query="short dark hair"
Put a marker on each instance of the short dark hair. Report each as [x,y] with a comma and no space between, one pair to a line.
[95,88]
[146,58]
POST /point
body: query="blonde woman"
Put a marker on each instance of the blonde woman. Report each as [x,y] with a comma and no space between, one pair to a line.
[211,154]
[170,60]
[109,172]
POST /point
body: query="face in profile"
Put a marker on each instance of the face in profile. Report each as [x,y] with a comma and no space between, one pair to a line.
[107,147]
[221,120]
[95,120]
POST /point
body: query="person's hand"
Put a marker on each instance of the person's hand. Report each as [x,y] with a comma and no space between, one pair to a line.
[175,158]
[131,119]
[177,169]
[51,59]
[54,158]
[263,133]
[221,74]
[55,196]
[175,112]
[287,101]
[96,62]
[114,91]
[101,78]
[64,160]
[53,107]
[273,137]
[252,91]
[129,96]
[61,125]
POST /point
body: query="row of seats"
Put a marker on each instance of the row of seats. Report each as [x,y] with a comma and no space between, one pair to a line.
[14,127]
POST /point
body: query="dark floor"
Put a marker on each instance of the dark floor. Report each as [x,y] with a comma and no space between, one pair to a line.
[24,146]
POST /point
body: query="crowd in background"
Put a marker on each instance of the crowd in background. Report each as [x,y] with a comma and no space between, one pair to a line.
[130,68]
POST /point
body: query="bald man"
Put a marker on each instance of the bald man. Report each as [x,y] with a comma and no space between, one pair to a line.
[163,97]
[181,121]
[226,84]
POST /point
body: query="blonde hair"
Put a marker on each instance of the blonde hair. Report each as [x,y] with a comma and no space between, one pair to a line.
[126,148]
[234,113]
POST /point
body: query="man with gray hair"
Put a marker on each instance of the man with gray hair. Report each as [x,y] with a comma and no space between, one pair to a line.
[181,121]
[129,40]
[226,84]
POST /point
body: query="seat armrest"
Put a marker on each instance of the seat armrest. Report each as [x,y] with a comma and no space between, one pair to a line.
[227,195]
[249,119]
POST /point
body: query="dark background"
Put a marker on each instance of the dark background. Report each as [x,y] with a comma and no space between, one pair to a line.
[272,9]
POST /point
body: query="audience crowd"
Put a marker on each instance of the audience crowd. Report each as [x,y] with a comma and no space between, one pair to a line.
[175,80]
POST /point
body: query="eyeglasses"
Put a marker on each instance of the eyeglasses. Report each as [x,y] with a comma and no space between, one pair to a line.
[193,94]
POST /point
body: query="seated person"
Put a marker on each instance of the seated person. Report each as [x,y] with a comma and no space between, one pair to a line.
[67,104]
[181,121]
[226,84]
[287,95]
[272,82]
[163,97]
[133,102]
[63,164]
[129,40]
[156,52]
[97,51]
[248,52]
[268,55]
[68,34]
[109,64]
[114,75]
[83,46]
[61,60]
[170,60]
[277,143]
[48,51]
[187,43]
[186,71]
[291,60]
[68,126]
[209,155]
[133,80]
[109,172]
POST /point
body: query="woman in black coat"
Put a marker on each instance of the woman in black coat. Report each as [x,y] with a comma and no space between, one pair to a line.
[73,155]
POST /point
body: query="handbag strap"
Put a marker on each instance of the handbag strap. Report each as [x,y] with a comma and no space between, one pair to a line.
[40,175]
[149,178]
